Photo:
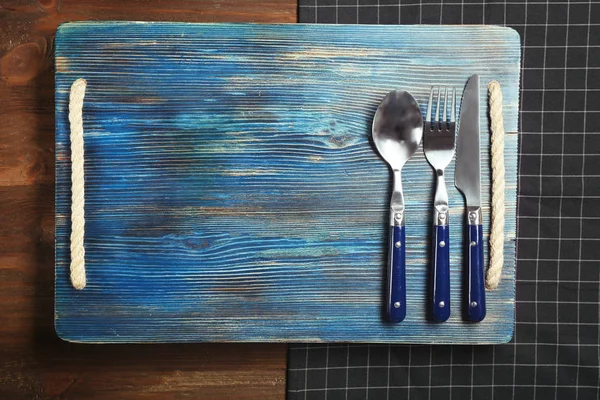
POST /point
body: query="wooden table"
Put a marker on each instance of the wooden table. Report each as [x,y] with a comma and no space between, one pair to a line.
[34,363]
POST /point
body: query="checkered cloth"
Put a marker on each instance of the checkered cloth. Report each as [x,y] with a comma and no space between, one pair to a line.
[555,352]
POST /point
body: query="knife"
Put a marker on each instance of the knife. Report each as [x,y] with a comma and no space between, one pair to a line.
[467,179]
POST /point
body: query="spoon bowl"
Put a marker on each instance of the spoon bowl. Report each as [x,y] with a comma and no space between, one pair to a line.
[397,128]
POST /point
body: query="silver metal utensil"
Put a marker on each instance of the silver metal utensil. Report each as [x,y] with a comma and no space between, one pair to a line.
[467,179]
[438,145]
[397,132]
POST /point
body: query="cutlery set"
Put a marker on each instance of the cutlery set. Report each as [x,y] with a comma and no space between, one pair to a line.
[398,128]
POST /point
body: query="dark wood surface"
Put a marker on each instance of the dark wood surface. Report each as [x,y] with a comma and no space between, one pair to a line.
[34,363]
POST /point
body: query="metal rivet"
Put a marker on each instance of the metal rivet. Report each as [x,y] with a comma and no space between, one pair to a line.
[398,245]
[442,304]
[473,244]
[398,216]
[442,217]
[473,304]
[397,304]
[442,244]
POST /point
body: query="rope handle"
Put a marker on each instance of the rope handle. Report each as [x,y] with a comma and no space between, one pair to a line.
[77,184]
[494,271]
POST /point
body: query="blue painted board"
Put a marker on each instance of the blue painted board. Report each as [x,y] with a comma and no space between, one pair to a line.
[233,192]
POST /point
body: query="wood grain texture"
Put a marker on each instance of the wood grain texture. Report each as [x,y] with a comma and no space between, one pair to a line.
[34,362]
[232,193]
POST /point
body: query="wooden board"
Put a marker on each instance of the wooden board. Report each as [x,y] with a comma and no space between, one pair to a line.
[232,192]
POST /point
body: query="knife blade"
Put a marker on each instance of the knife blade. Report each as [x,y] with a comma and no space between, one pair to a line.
[467,179]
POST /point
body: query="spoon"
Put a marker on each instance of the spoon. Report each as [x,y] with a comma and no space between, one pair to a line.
[397,132]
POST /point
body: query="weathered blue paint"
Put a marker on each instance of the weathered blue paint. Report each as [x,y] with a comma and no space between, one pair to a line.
[233,193]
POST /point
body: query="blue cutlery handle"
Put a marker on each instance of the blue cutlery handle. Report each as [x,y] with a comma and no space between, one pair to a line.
[441,274]
[476,293]
[396,305]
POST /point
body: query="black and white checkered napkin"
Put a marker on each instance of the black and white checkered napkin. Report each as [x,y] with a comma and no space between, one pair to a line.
[555,352]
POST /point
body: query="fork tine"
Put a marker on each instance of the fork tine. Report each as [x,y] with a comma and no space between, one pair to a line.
[453,109]
[445,116]
[428,116]
[437,108]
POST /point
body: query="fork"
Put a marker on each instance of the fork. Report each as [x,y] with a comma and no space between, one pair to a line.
[438,145]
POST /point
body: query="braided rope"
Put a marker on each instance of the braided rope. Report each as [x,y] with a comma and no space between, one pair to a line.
[77,184]
[494,271]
